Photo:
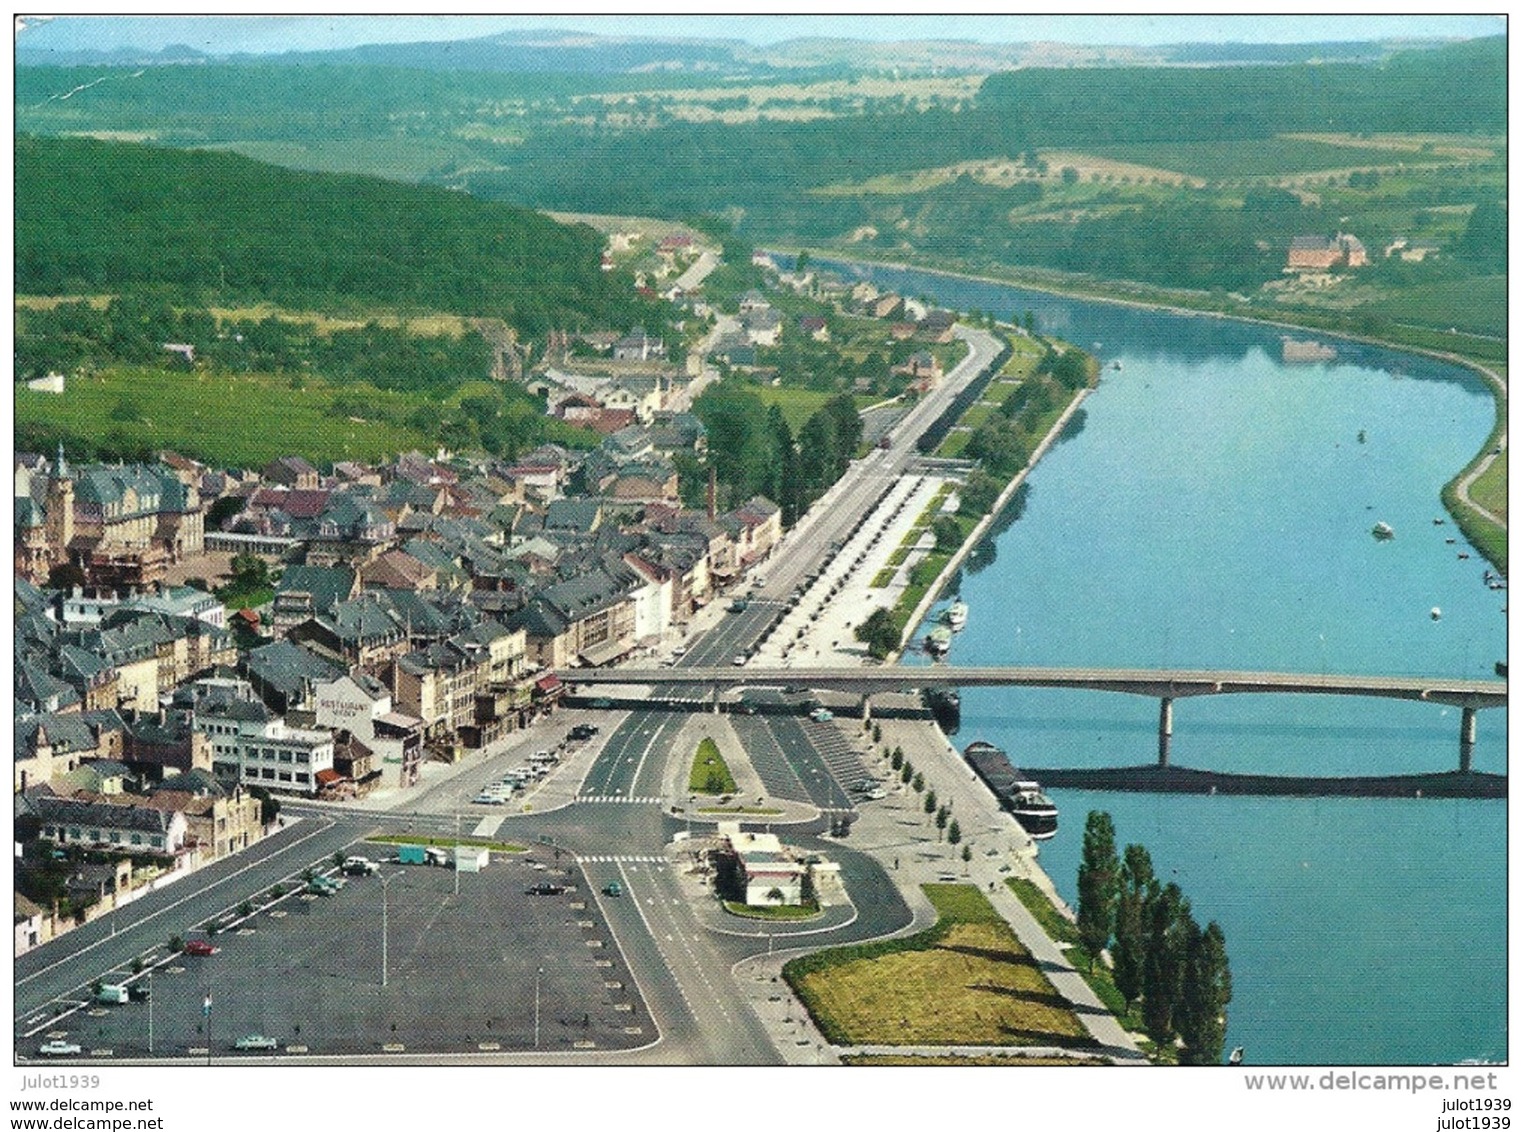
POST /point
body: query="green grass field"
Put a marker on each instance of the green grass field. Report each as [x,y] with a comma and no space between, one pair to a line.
[1489,491]
[965,980]
[1252,158]
[397,159]
[710,773]
[229,420]
[1476,306]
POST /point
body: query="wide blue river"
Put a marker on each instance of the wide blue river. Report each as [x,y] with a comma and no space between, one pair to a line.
[1215,511]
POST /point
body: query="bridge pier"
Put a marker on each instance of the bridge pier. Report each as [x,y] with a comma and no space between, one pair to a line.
[866,709]
[715,699]
[1467,732]
[1164,730]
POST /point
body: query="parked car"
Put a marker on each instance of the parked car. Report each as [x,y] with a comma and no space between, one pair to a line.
[360,866]
[739,660]
[602,702]
[112,994]
[137,993]
[200,947]
[485,799]
[613,888]
[821,715]
[256,1041]
[545,888]
[58,1048]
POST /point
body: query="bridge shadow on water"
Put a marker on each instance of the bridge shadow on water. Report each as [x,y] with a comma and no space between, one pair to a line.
[1153,778]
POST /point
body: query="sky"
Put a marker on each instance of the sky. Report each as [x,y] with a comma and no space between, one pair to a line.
[260,34]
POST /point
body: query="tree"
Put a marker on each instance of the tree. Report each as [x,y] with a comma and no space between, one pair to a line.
[954,833]
[918,783]
[1164,967]
[930,802]
[774,896]
[1098,877]
[1203,995]
[222,510]
[878,632]
[897,761]
[966,851]
[907,773]
[1137,887]
[948,533]
[250,572]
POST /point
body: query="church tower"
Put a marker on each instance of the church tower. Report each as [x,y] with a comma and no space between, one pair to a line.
[60,509]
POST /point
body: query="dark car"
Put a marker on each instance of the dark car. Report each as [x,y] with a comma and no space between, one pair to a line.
[137,993]
[199,947]
[545,888]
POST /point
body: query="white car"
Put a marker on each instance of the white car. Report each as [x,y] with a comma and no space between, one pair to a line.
[739,660]
[58,1048]
[488,800]
[821,715]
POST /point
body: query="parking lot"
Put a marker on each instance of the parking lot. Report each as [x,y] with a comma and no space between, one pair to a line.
[493,968]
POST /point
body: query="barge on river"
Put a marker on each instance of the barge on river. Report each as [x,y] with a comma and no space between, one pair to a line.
[1025,800]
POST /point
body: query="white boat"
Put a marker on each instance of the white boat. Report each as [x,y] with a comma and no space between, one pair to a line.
[1383,531]
[1437,614]
[956,614]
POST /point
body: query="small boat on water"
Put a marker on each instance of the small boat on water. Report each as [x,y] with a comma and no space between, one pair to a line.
[1437,614]
[1026,802]
[1501,669]
[1383,531]
[938,641]
[1438,522]
[956,615]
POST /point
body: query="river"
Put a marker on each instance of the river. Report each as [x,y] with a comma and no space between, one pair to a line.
[1215,511]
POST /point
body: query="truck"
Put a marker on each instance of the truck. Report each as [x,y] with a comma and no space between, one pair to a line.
[113,993]
[412,854]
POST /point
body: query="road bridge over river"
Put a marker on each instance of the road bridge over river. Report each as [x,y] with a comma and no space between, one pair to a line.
[1163,684]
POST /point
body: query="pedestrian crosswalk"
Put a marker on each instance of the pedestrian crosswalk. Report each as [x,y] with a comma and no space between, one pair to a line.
[636,801]
[620,860]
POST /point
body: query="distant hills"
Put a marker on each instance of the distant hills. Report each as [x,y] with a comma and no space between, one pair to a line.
[557,51]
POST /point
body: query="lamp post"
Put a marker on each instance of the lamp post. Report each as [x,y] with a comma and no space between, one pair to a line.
[385,928]
[150,1011]
[537,975]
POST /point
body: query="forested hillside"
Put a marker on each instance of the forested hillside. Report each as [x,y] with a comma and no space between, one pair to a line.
[100,216]
[1449,90]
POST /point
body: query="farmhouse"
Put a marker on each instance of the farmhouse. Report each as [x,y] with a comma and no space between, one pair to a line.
[1317,253]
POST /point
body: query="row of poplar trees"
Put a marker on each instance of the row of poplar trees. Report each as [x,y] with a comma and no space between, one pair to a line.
[1160,955]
